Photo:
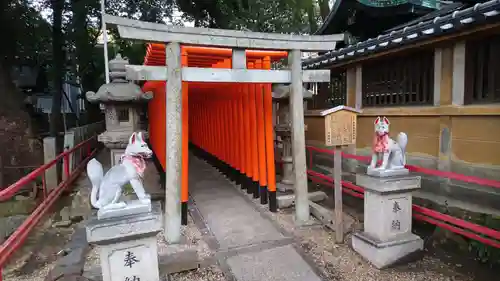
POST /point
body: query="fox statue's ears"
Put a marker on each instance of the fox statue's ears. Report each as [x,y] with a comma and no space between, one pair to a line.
[132,138]
[383,119]
[136,137]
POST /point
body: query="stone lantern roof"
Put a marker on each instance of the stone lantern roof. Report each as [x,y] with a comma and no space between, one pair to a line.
[119,90]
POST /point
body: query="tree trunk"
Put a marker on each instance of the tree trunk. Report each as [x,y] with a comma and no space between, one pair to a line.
[58,55]
[83,57]
[324,9]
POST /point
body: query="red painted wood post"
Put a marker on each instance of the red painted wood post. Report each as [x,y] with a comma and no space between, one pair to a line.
[88,148]
[44,187]
[66,164]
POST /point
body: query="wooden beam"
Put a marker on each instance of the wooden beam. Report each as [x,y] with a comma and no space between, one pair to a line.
[447,110]
[146,73]
[154,32]
[198,74]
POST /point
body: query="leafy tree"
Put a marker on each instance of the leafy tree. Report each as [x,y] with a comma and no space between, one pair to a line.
[209,13]
[268,16]
[289,16]
[27,41]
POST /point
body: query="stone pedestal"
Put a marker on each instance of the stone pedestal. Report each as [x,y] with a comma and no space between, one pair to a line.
[127,244]
[384,173]
[387,236]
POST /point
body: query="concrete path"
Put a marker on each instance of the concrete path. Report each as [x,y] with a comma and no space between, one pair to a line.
[249,245]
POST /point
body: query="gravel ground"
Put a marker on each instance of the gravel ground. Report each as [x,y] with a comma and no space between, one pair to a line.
[35,259]
[340,262]
[192,240]
[38,275]
[211,273]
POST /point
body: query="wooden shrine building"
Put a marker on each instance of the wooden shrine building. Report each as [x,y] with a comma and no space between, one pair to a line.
[436,77]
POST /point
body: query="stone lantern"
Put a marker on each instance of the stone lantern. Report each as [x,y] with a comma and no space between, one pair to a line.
[283,129]
[122,105]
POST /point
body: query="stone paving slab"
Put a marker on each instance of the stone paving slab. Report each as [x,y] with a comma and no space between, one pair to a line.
[230,218]
[276,264]
[253,248]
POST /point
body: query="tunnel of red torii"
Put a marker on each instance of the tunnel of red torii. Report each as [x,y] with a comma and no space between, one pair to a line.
[230,124]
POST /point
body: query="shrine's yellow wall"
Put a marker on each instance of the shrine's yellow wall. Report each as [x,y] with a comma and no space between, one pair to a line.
[476,139]
[422,131]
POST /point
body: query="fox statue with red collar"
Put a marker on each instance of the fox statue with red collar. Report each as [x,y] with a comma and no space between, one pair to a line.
[391,152]
[107,189]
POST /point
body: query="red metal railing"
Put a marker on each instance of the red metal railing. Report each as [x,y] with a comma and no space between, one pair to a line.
[86,151]
[470,230]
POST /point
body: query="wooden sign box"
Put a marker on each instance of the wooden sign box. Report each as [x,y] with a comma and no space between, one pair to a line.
[332,127]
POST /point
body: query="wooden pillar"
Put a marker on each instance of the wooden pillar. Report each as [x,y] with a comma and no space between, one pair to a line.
[443,84]
[173,144]
[351,87]
[353,77]
[438,62]
[458,85]
[298,139]
[359,87]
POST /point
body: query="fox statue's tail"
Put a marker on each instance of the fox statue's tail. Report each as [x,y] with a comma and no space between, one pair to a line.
[95,173]
[403,141]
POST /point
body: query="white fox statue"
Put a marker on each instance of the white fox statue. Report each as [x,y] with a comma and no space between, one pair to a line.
[107,189]
[392,152]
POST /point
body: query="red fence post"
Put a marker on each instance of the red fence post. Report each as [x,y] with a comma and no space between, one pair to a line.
[66,165]
[88,149]
[310,158]
[44,188]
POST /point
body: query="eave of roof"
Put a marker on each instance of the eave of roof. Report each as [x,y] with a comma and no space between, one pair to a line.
[453,21]
[446,9]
